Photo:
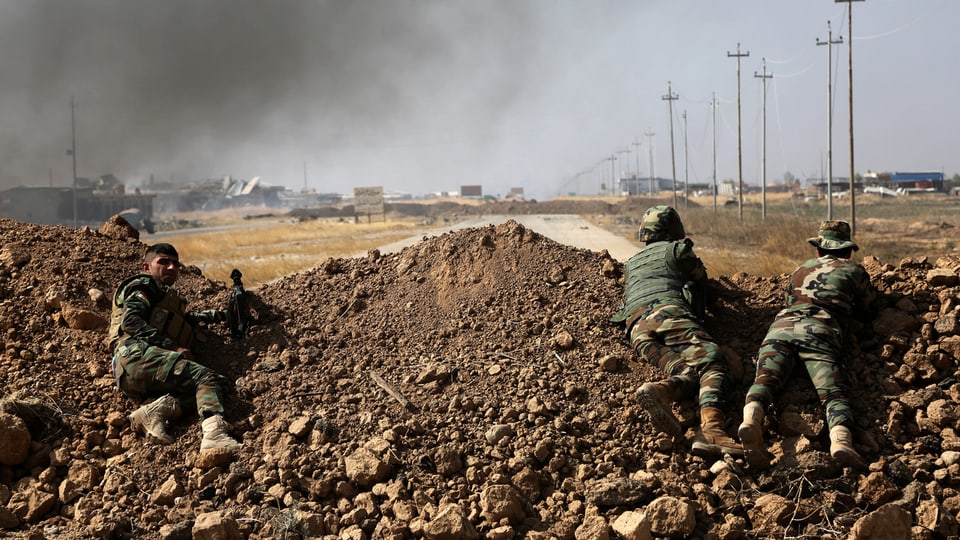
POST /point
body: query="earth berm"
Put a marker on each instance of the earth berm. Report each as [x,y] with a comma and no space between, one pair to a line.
[469,386]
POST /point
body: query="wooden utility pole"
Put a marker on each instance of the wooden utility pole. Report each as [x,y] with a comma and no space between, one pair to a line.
[670,98]
[853,200]
[686,162]
[649,134]
[830,42]
[713,105]
[738,56]
[636,144]
[763,140]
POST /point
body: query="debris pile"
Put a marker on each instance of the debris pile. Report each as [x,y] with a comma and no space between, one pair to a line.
[469,386]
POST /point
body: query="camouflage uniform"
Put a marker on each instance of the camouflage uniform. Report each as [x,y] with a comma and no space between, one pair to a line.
[661,323]
[823,294]
[149,322]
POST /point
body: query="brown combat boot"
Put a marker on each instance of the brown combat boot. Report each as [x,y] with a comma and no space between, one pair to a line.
[751,436]
[657,399]
[215,434]
[841,448]
[152,418]
[711,440]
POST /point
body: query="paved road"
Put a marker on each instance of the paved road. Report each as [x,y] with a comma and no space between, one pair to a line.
[571,230]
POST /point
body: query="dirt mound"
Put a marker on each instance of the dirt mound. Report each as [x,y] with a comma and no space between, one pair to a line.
[468,386]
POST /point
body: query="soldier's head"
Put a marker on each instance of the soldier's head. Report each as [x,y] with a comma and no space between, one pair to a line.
[162,262]
[833,238]
[661,223]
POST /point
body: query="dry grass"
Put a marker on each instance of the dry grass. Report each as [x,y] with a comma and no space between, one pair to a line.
[268,250]
[889,229]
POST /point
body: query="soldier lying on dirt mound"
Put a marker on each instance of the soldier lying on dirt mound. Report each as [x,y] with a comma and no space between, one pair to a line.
[150,334]
[665,283]
[822,295]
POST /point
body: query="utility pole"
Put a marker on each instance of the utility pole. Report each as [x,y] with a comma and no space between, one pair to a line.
[613,170]
[830,42]
[636,144]
[686,168]
[670,98]
[853,204]
[649,134]
[738,56]
[763,140]
[73,153]
[623,163]
[713,105]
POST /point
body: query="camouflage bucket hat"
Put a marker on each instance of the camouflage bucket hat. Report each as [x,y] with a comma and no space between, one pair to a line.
[833,235]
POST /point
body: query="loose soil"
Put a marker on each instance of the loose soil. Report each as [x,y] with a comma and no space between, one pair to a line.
[473,375]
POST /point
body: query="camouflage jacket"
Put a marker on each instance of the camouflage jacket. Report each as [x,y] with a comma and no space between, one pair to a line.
[831,289]
[656,277]
[155,314]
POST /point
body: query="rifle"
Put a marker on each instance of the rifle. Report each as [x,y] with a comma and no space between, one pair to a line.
[238,310]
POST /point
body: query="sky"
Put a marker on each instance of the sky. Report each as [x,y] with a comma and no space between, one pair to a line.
[424,96]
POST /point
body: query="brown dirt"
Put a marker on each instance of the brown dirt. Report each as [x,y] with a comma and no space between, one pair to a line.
[476,329]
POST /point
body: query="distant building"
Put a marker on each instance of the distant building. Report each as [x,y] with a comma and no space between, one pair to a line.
[906,181]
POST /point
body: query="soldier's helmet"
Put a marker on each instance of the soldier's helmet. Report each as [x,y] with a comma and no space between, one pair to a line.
[833,235]
[661,223]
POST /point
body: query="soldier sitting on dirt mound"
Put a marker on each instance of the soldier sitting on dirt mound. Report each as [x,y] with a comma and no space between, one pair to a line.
[822,295]
[151,333]
[665,284]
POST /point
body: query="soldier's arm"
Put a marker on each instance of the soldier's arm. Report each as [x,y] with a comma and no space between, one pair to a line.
[691,265]
[866,301]
[136,307]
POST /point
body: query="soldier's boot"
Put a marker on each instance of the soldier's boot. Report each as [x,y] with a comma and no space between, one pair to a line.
[712,440]
[215,434]
[152,418]
[751,436]
[841,448]
[657,399]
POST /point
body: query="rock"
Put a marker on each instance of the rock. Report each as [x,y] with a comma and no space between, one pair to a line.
[365,467]
[82,319]
[892,321]
[30,503]
[214,457]
[14,439]
[168,492]
[889,522]
[876,488]
[632,525]
[610,492]
[450,523]
[215,526]
[770,511]
[498,432]
[593,527]
[942,277]
[670,516]
[500,501]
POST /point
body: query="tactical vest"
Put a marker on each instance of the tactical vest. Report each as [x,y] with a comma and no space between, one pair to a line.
[652,275]
[166,315]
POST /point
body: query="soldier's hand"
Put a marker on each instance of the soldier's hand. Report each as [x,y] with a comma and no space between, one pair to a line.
[185,352]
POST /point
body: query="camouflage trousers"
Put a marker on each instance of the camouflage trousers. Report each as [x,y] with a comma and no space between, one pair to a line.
[143,371]
[793,339]
[671,340]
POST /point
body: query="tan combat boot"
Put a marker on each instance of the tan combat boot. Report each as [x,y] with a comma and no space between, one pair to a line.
[751,436]
[712,440]
[657,399]
[841,448]
[215,434]
[151,418]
